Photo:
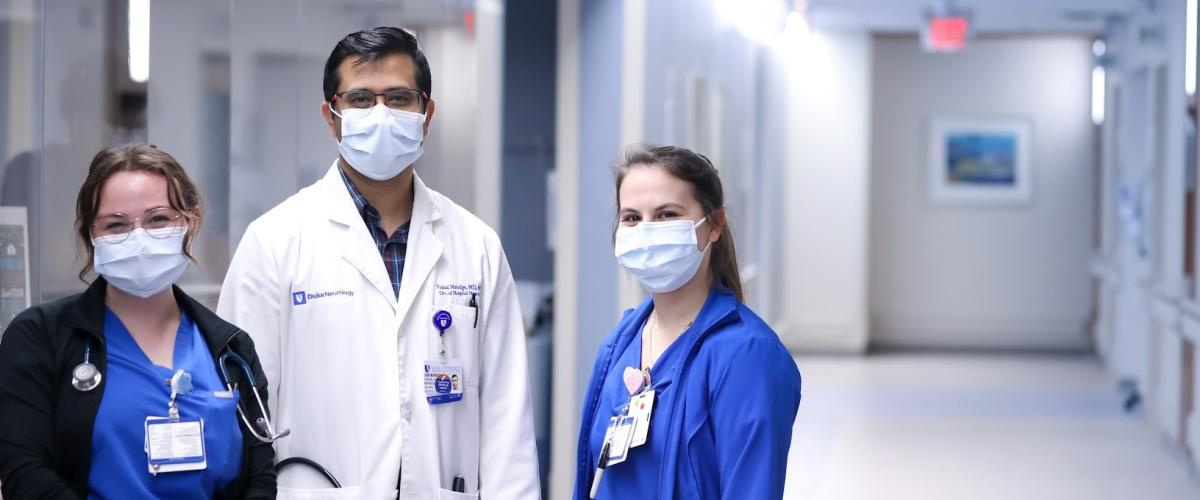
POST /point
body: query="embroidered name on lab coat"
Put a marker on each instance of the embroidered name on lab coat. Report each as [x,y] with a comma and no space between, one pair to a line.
[457,290]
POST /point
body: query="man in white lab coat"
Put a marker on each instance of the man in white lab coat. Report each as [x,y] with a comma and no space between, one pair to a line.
[368,294]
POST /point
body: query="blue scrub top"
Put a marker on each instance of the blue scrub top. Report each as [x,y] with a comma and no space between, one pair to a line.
[727,392]
[134,389]
[640,472]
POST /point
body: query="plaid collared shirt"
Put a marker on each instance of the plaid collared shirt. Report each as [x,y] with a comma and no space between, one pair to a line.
[392,248]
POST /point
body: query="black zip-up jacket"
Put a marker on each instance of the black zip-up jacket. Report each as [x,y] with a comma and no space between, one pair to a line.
[46,424]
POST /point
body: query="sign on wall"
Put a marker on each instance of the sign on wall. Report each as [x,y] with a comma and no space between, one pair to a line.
[14,264]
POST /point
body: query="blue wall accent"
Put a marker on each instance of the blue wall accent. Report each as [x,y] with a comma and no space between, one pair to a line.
[599,145]
[530,77]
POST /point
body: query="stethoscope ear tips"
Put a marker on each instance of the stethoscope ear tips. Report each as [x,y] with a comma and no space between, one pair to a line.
[85,377]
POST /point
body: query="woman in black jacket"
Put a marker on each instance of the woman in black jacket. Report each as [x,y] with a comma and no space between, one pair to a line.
[132,389]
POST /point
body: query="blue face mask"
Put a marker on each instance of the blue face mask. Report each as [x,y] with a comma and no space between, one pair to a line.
[661,255]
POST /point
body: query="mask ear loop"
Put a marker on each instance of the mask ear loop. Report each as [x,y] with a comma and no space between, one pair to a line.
[334,111]
[699,223]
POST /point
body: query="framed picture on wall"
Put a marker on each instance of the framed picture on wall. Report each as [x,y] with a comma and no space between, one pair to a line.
[980,160]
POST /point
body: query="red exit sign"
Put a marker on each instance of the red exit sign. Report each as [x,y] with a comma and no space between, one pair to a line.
[947,34]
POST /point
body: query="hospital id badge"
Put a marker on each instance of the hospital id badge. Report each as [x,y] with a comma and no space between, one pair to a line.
[641,407]
[443,382]
[175,445]
[620,430]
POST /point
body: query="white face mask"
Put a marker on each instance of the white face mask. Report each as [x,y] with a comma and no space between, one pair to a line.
[381,142]
[661,255]
[142,265]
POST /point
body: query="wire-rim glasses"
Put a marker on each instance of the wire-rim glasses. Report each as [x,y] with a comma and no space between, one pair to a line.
[398,99]
[161,223]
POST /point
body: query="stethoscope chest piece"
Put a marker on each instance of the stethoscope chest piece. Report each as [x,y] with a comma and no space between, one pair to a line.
[85,377]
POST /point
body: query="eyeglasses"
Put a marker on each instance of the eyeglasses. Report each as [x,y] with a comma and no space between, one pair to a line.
[161,223]
[398,99]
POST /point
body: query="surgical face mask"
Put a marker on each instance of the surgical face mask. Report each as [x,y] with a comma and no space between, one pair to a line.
[381,142]
[142,263]
[661,255]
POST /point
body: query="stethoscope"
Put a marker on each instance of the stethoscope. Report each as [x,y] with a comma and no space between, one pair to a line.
[262,423]
[86,377]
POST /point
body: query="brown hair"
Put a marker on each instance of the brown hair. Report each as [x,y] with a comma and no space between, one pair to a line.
[693,168]
[182,193]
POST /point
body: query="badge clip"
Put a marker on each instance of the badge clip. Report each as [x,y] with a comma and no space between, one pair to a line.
[442,321]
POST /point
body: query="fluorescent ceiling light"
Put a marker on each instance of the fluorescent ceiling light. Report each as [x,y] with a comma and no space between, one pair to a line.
[1189,71]
[760,21]
[139,40]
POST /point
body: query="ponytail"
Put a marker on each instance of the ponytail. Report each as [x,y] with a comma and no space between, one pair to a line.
[723,264]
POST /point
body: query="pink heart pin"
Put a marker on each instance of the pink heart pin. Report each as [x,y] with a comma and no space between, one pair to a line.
[634,379]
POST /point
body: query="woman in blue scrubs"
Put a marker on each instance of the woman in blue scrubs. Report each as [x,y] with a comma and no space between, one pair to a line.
[692,395]
[118,392]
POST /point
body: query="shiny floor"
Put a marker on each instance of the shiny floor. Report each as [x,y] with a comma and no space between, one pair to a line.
[974,426]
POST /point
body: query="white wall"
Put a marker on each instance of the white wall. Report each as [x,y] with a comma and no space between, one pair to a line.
[982,276]
[449,157]
[827,185]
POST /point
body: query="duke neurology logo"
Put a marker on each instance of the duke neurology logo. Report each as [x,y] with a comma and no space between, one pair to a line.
[302,297]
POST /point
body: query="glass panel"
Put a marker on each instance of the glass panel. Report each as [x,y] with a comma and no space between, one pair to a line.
[76,111]
[188,117]
[231,89]
[20,141]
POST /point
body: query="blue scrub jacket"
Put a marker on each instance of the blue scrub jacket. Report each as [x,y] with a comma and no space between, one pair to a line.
[730,412]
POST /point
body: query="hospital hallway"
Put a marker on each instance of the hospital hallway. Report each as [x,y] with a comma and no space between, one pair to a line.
[974,224]
[952,426]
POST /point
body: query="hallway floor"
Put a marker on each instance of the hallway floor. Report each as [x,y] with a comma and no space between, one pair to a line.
[974,426]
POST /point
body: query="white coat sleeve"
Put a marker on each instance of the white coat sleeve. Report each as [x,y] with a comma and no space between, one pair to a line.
[508,452]
[250,300]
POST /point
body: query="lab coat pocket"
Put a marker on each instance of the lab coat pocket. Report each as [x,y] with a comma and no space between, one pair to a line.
[454,495]
[459,431]
[462,341]
[319,493]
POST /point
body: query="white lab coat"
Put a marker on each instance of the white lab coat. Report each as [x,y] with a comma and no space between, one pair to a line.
[345,360]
